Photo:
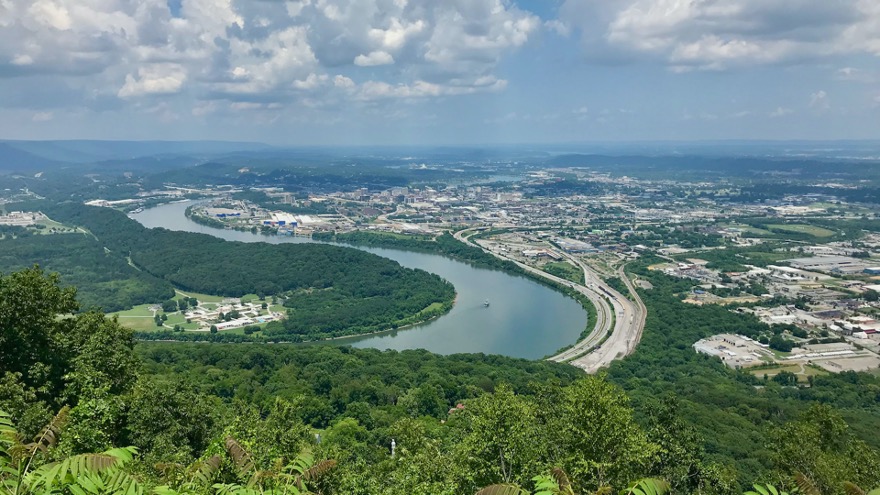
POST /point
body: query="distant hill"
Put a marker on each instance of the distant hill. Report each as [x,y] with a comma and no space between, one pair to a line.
[90,151]
[13,159]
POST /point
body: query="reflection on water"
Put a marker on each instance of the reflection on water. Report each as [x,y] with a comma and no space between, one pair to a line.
[524,319]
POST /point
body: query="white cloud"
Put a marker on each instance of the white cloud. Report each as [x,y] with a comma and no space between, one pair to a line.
[559,27]
[377,90]
[377,57]
[721,34]
[203,108]
[857,75]
[51,14]
[311,82]
[295,7]
[22,60]
[343,82]
[246,105]
[157,79]
[780,112]
[296,52]
[43,116]
[397,34]
[819,100]
[268,64]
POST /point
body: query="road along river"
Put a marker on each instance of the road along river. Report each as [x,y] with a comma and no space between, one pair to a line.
[619,322]
[524,319]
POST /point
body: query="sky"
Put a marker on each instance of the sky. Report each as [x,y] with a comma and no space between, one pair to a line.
[333,72]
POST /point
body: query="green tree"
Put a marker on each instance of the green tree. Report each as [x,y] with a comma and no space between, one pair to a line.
[498,443]
[68,358]
[593,436]
[169,421]
[30,304]
[821,446]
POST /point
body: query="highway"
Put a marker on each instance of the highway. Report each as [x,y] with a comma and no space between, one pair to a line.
[627,331]
[622,317]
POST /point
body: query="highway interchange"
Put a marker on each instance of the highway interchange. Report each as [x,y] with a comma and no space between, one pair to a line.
[619,322]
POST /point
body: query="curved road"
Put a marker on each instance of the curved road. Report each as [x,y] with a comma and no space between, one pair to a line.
[612,307]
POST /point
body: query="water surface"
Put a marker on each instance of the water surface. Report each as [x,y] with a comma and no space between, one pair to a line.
[524,319]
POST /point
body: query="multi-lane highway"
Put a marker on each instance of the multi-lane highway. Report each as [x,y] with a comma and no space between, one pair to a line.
[626,332]
[619,322]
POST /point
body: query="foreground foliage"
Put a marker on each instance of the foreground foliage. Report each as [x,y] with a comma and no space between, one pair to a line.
[248,419]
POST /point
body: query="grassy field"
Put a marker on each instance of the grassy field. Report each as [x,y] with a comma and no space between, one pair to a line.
[179,319]
[830,206]
[799,228]
[433,306]
[51,224]
[565,270]
[769,257]
[139,324]
[791,368]
[750,229]
[202,298]
[137,311]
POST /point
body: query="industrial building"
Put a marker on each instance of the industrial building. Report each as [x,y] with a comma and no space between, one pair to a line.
[837,264]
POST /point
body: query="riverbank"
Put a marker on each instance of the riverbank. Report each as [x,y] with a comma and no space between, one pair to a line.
[232,336]
[468,253]
[526,319]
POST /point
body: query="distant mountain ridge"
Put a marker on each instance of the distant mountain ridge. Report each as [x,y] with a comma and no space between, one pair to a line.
[13,159]
[30,156]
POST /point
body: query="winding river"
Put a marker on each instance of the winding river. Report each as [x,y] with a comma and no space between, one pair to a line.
[524,319]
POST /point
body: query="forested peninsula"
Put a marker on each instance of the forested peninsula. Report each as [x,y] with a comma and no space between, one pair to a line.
[330,291]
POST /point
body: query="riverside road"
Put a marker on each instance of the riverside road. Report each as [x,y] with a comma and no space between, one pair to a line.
[619,321]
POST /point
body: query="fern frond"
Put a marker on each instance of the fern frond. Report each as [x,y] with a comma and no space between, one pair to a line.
[301,463]
[562,480]
[233,489]
[167,467]
[505,489]
[121,483]
[205,471]
[10,441]
[319,469]
[48,438]
[852,489]
[8,433]
[80,465]
[240,457]
[647,486]
[546,485]
[805,485]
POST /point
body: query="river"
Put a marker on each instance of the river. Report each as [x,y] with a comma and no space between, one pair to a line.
[524,319]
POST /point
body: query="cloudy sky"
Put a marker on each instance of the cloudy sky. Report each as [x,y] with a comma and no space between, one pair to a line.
[440,71]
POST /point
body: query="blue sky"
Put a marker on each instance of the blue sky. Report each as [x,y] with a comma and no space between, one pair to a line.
[303,72]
